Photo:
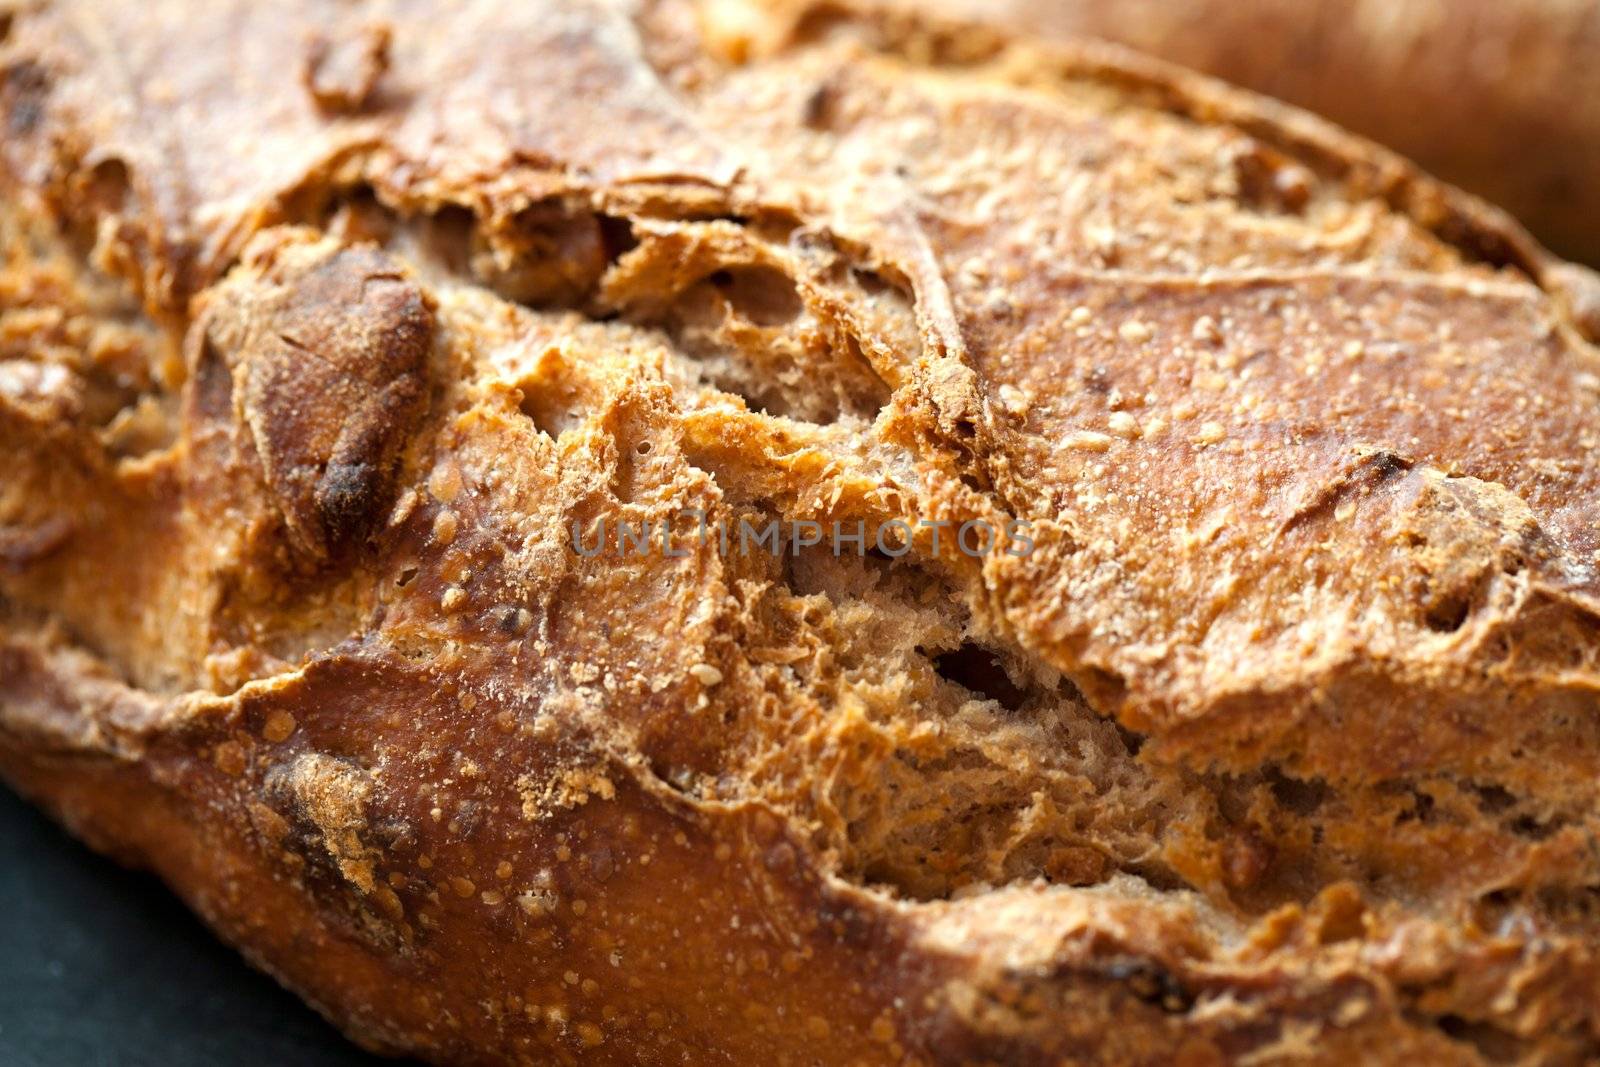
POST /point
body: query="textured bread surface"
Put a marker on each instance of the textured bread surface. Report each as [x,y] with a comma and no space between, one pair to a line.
[1501,96]
[323,326]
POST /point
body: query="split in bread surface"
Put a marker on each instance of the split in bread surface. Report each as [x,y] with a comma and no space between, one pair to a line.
[322,326]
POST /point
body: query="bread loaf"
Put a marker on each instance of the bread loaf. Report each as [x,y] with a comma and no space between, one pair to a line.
[1257,724]
[1501,96]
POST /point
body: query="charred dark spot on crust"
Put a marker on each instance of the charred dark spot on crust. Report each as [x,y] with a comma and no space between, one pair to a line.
[342,495]
[332,360]
[354,486]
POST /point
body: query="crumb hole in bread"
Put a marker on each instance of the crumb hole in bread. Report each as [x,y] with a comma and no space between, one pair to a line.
[547,255]
[144,424]
[446,235]
[1268,181]
[743,319]
[1491,1043]
[871,282]
[550,418]
[1448,614]
[1131,740]
[106,186]
[552,406]
[752,335]
[617,235]
[1301,796]
[1530,828]
[1104,688]
[762,295]
[356,217]
[981,672]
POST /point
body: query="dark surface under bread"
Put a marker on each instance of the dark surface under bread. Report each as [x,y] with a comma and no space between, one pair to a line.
[100,965]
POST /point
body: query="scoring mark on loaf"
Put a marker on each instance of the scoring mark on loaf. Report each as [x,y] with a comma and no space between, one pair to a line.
[328,349]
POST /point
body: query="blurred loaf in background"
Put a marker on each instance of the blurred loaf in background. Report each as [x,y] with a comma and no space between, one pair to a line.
[1501,97]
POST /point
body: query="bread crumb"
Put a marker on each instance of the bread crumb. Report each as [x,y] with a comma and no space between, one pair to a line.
[1081,315]
[1206,330]
[1210,433]
[1134,331]
[453,598]
[278,727]
[229,758]
[389,902]
[1087,441]
[706,674]
[1013,399]
[462,887]
[445,483]
[445,525]
[1123,424]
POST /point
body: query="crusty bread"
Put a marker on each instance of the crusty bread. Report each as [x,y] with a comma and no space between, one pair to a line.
[1501,96]
[329,332]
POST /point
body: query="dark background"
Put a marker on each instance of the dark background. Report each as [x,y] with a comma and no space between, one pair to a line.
[99,965]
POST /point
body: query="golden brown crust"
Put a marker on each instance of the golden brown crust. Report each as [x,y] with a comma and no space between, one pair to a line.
[1279,746]
[1500,96]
